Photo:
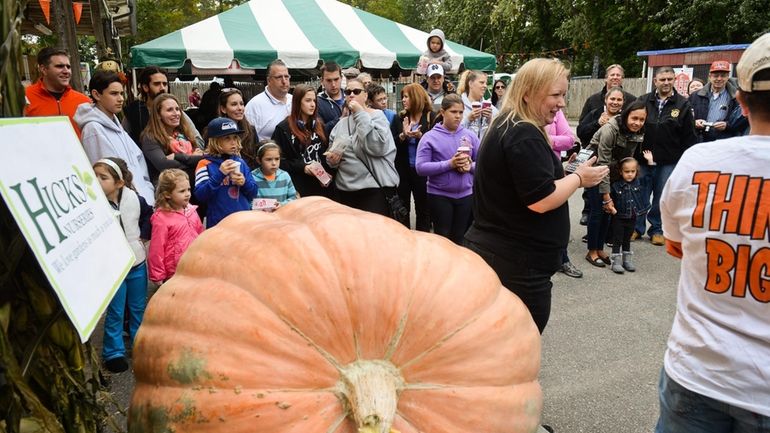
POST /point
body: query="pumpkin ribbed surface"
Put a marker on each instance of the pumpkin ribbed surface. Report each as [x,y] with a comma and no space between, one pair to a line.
[321,318]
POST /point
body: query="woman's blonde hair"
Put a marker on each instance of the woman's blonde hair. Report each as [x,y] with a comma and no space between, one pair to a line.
[167,182]
[532,81]
[462,81]
[157,131]
[213,147]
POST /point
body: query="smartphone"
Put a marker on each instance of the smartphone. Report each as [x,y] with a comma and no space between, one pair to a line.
[582,156]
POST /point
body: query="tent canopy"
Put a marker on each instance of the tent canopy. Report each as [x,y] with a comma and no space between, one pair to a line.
[301,33]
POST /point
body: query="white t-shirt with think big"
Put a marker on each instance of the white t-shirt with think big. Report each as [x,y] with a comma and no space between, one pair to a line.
[717,204]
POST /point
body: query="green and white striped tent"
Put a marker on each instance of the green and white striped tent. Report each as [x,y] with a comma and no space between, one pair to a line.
[299,32]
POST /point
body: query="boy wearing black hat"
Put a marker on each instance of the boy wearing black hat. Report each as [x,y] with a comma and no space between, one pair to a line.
[219,178]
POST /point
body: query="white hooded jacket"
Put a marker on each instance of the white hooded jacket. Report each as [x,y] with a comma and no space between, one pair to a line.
[103,137]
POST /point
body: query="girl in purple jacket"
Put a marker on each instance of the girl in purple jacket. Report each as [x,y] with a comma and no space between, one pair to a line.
[445,155]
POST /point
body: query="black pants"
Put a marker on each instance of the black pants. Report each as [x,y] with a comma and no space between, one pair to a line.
[410,183]
[531,285]
[369,199]
[450,216]
[622,228]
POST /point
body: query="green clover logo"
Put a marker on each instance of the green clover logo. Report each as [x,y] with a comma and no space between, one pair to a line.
[87,179]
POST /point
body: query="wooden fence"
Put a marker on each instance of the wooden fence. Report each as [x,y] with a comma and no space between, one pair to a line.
[580,90]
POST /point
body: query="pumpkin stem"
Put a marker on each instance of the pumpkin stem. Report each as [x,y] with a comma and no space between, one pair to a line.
[370,390]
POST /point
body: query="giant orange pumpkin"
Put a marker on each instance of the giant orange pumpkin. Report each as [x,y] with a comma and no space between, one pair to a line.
[324,319]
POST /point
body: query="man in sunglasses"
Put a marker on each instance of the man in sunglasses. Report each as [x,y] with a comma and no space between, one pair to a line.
[331,100]
[272,106]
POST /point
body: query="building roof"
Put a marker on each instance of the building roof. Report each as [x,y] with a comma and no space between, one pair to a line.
[732,47]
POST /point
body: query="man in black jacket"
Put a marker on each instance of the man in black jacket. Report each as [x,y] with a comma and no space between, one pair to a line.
[668,132]
[331,100]
[615,74]
[714,103]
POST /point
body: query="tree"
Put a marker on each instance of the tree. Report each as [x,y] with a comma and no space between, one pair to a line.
[713,22]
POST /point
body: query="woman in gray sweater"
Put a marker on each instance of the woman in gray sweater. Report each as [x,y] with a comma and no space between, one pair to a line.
[364,153]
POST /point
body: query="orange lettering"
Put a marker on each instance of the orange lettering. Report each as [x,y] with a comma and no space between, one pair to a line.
[741,270]
[750,206]
[759,280]
[732,206]
[762,219]
[703,179]
[720,259]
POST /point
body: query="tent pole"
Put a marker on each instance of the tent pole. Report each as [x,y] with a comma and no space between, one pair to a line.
[133,81]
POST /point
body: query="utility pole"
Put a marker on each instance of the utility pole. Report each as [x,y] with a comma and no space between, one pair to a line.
[63,20]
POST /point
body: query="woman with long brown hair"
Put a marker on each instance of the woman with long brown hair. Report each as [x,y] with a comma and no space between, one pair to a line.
[168,141]
[231,105]
[412,122]
[303,142]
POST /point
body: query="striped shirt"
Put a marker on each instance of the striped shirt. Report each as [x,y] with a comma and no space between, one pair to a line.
[281,188]
[718,106]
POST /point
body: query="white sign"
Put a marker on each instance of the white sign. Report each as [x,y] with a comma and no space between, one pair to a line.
[51,189]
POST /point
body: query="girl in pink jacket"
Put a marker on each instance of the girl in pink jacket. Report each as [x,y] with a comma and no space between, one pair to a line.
[175,224]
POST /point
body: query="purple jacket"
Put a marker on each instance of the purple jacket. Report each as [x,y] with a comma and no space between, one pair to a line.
[435,150]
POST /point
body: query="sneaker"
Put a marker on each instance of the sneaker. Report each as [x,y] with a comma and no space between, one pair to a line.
[657,239]
[570,270]
[617,264]
[584,239]
[635,235]
[584,219]
[628,264]
[116,365]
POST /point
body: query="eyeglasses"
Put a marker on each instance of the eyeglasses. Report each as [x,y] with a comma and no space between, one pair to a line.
[286,77]
[353,91]
[499,87]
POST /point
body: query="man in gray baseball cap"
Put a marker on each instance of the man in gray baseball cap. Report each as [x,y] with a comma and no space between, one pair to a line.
[716,220]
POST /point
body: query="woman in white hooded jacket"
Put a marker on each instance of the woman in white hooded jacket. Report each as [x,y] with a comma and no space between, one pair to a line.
[102,135]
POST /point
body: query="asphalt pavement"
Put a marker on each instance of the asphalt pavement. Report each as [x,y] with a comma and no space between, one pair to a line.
[603,346]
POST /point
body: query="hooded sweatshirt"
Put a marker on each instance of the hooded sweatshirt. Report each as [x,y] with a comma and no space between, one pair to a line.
[429,56]
[435,150]
[103,136]
[214,188]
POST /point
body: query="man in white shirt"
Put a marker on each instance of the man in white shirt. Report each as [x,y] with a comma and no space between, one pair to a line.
[270,107]
[716,217]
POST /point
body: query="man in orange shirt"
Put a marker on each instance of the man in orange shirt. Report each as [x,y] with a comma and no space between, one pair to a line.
[52,94]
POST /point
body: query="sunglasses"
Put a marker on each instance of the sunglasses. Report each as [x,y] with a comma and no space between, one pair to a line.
[499,87]
[353,91]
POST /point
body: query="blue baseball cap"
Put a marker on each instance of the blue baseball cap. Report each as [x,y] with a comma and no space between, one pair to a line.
[222,126]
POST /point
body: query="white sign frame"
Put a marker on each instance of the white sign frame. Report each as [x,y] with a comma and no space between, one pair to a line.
[48,184]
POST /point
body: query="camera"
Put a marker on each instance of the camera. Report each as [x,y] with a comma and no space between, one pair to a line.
[707,126]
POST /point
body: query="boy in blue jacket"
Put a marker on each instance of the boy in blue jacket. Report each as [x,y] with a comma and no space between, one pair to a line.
[219,178]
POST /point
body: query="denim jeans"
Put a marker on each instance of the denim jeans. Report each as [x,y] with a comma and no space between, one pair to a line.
[598,220]
[531,285]
[132,293]
[653,179]
[684,411]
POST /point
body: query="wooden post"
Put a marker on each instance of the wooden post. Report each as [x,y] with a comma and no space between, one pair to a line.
[63,21]
[100,30]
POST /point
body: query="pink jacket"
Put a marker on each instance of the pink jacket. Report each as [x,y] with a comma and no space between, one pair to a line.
[560,133]
[172,233]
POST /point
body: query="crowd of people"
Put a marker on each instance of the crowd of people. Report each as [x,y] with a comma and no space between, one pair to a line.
[484,173]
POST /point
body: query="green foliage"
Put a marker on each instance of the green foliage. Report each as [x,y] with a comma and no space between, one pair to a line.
[714,22]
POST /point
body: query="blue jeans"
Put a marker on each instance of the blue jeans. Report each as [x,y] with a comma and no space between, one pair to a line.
[684,411]
[598,220]
[653,179]
[132,293]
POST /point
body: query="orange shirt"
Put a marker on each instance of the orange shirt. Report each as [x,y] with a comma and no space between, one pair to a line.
[42,103]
